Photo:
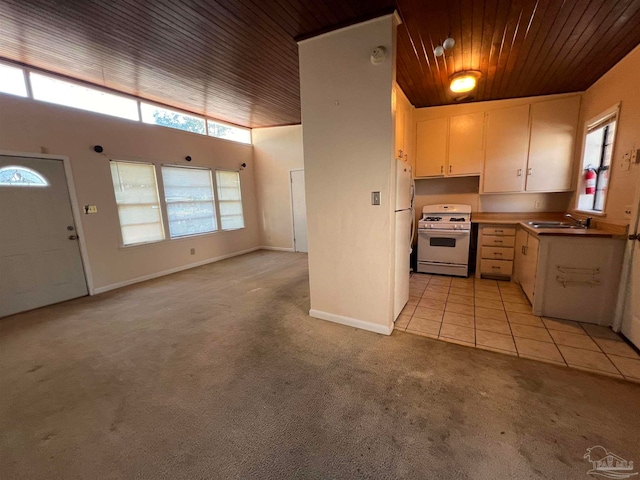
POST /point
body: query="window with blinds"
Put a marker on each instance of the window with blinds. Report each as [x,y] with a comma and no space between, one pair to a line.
[229,200]
[188,193]
[136,192]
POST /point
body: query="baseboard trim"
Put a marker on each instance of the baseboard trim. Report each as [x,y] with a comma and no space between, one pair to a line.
[278,249]
[351,322]
[144,278]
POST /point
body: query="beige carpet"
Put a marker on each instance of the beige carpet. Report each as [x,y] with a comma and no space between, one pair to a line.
[218,372]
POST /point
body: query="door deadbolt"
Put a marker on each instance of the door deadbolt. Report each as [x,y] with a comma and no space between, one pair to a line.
[70,228]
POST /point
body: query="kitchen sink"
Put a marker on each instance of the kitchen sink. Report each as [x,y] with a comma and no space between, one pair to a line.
[554,225]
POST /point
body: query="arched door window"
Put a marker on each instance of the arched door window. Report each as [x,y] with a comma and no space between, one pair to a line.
[14,176]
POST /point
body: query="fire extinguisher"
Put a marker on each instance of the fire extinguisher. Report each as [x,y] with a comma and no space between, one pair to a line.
[590,181]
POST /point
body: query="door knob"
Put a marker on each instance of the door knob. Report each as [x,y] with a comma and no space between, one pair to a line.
[73,237]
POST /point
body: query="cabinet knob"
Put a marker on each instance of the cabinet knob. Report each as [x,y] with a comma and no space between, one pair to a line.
[519,172]
[449,168]
[529,171]
[441,168]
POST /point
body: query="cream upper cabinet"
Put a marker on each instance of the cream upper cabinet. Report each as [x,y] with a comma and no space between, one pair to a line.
[431,147]
[507,146]
[553,135]
[466,137]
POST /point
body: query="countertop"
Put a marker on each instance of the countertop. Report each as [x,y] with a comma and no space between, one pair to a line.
[600,229]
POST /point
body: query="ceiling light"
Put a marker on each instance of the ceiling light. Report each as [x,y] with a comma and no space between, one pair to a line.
[464,81]
[438,51]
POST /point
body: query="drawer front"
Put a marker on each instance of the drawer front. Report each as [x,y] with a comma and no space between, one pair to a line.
[494,241]
[496,267]
[508,231]
[497,253]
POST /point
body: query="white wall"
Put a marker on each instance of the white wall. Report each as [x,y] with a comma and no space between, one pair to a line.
[277,151]
[620,84]
[349,148]
[30,126]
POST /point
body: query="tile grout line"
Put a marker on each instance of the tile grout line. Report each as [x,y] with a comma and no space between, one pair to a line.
[544,325]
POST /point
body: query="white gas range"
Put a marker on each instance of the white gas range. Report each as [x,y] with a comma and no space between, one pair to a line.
[444,234]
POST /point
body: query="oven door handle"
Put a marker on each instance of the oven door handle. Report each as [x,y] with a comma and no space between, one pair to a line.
[445,233]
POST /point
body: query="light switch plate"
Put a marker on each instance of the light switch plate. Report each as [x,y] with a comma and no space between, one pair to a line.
[627,212]
[375,198]
[625,165]
[90,209]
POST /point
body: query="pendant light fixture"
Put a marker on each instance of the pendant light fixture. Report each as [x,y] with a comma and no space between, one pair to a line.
[448,44]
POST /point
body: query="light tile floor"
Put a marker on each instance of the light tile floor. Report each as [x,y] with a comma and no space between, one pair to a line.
[496,316]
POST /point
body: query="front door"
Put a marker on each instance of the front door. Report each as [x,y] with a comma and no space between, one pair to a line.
[40,261]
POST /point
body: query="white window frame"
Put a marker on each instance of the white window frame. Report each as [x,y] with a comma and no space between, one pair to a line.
[27,70]
[143,103]
[250,142]
[244,223]
[29,83]
[159,203]
[216,217]
[613,111]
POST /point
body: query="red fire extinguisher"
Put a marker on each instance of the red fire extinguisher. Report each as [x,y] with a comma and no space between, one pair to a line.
[590,181]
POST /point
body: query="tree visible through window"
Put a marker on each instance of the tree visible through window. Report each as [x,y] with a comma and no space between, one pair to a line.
[169,118]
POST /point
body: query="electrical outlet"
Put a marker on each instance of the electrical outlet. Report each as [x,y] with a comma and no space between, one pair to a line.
[537,205]
[375,198]
[193,251]
[90,209]
[627,212]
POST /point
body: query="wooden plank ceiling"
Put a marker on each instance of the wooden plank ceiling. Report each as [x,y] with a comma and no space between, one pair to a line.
[236,60]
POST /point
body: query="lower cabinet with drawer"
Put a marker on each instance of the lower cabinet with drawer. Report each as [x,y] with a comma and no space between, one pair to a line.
[496,251]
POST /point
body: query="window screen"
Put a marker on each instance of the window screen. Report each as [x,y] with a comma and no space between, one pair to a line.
[188,193]
[229,199]
[138,204]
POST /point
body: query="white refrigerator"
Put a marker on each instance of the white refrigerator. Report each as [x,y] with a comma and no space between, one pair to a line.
[404,234]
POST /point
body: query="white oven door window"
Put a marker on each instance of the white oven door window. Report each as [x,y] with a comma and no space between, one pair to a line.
[443,247]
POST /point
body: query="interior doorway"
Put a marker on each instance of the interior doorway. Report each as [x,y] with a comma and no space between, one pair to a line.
[299,209]
[40,257]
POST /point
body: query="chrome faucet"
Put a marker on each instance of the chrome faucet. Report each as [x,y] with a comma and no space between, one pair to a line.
[581,223]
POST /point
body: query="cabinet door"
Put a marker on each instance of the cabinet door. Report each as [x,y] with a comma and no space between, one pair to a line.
[553,136]
[466,142]
[431,147]
[520,260]
[507,146]
[530,269]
